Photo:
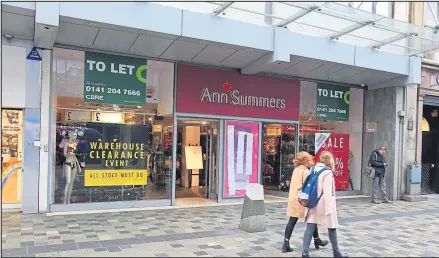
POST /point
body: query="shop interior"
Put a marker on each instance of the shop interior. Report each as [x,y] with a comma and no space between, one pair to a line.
[12,154]
[196,165]
[279,151]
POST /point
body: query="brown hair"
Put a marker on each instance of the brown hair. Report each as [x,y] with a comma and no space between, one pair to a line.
[326,158]
[303,158]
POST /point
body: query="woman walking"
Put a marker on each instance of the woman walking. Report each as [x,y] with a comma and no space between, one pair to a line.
[325,212]
[302,164]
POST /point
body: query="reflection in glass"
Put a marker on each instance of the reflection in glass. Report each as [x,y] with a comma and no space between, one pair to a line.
[279,153]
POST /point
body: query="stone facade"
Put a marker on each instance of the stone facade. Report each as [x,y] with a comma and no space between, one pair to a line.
[394,110]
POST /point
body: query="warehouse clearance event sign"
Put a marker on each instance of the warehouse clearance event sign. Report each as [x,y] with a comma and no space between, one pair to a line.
[332,102]
[338,145]
[120,80]
[116,158]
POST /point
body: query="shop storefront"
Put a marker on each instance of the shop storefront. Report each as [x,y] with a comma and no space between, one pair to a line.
[263,123]
[429,129]
[114,129]
[248,111]
[12,157]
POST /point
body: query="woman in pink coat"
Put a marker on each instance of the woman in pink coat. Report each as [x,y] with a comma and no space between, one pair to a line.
[302,163]
[325,212]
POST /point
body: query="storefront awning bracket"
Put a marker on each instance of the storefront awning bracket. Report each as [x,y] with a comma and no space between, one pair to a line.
[296,16]
[394,39]
[220,9]
[433,49]
[433,13]
[350,29]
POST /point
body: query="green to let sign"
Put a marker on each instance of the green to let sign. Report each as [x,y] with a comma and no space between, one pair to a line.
[110,79]
[332,102]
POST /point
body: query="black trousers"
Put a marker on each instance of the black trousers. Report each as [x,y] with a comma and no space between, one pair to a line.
[290,227]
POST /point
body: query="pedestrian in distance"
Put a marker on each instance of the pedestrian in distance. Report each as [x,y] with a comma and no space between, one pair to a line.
[302,163]
[323,211]
[378,162]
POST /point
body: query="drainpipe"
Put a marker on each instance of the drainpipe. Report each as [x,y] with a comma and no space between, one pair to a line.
[402,139]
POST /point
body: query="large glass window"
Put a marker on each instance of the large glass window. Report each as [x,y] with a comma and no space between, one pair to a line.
[114,127]
[12,154]
[279,152]
[338,128]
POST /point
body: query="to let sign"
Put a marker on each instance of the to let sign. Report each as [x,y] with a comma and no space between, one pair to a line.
[332,102]
[110,79]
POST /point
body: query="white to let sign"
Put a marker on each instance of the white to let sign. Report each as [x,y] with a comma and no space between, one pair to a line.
[77,116]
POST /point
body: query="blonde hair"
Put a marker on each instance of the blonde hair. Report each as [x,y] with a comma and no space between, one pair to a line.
[327,159]
[302,158]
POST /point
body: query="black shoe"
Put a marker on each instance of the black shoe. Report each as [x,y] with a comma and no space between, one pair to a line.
[337,253]
[286,247]
[305,254]
[318,242]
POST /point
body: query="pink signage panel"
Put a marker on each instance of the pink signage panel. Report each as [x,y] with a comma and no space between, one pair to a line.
[211,91]
[240,157]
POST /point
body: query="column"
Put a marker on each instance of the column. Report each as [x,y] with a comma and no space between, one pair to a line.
[46,159]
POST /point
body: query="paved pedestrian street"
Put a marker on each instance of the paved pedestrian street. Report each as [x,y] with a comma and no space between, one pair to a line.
[402,229]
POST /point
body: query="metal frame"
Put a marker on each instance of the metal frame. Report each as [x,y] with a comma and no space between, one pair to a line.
[222,8]
[350,29]
[337,34]
[432,12]
[295,16]
[394,39]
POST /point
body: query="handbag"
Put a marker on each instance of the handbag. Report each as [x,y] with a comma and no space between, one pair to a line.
[369,171]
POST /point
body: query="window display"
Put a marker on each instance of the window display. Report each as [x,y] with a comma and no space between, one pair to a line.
[329,122]
[278,154]
[12,145]
[241,157]
[110,143]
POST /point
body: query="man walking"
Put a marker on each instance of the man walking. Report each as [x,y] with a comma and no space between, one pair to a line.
[378,162]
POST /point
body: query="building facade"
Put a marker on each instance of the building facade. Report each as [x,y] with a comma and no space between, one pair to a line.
[199,104]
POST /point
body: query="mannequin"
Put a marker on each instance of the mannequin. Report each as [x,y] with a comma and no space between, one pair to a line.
[71,164]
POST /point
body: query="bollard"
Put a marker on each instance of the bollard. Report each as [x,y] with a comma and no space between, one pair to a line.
[253,210]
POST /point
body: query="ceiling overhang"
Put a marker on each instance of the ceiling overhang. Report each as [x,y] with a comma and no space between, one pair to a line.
[209,40]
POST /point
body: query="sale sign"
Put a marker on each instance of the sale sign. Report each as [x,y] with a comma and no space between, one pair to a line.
[338,145]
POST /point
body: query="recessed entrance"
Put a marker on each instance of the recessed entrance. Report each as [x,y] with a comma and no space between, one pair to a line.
[197,161]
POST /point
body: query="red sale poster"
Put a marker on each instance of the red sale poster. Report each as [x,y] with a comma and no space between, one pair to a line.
[338,145]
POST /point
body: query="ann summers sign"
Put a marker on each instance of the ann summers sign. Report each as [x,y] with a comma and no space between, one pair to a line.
[218,92]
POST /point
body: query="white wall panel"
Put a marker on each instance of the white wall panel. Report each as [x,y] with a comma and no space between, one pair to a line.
[13,76]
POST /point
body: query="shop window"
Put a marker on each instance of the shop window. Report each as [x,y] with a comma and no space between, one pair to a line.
[240,157]
[114,127]
[279,151]
[12,153]
[339,130]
